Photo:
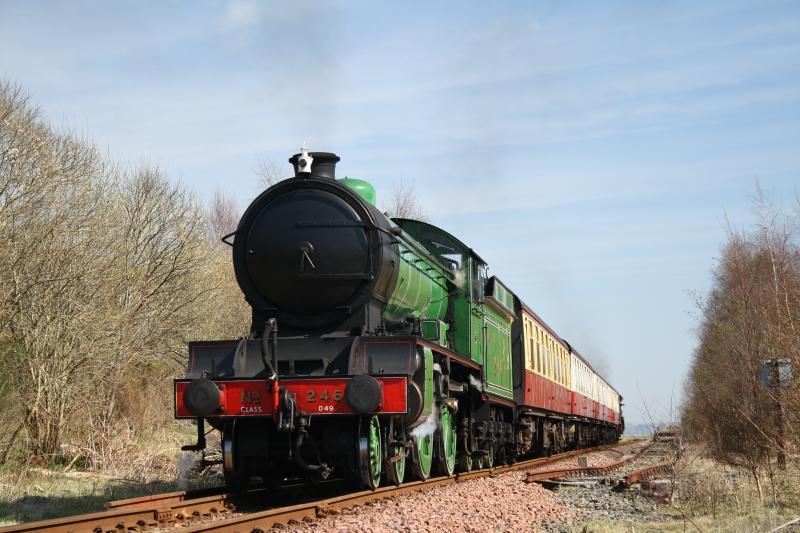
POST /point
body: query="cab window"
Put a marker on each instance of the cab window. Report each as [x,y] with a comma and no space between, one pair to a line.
[478,280]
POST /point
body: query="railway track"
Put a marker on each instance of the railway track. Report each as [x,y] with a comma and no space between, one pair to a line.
[219,511]
[648,473]
[584,471]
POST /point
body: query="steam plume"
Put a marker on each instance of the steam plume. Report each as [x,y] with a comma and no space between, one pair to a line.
[475,383]
[429,426]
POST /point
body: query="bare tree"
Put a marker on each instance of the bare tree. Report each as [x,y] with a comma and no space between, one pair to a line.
[222,216]
[53,248]
[404,203]
[104,275]
[749,316]
[227,313]
[270,173]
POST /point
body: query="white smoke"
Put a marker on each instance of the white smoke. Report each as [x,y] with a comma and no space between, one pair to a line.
[460,278]
[475,383]
[187,462]
[429,426]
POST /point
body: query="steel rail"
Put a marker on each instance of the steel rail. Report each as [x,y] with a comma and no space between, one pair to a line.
[648,473]
[218,511]
[533,477]
[136,517]
[165,498]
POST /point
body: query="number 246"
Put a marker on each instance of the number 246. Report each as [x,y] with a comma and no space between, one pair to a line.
[324,396]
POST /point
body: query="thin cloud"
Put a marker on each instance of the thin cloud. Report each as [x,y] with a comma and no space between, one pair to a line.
[240,15]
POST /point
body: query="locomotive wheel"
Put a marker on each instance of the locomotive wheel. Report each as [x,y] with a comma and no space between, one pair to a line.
[508,458]
[422,456]
[234,477]
[396,470]
[446,443]
[478,460]
[484,458]
[370,456]
[490,457]
[465,462]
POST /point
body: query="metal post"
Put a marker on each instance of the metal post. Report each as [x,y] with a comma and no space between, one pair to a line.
[776,391]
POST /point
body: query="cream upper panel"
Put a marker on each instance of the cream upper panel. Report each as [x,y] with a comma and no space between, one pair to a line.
[547,356]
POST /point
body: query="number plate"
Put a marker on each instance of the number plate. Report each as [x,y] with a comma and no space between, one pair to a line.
[319,397]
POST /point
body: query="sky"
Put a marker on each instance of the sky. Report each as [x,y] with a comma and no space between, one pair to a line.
[590,152]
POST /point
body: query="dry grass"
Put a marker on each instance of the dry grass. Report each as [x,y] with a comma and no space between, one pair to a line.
[39,494]
[711,497]
[761,519]
[30,492]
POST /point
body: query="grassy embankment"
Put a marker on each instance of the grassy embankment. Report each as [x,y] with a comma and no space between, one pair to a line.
[711,497]
[42,488]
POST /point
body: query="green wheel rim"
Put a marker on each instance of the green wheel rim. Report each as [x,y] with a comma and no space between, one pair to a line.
[369,451]
[448,435]
[397,469]
[490,458]
[374,451]
[423,456]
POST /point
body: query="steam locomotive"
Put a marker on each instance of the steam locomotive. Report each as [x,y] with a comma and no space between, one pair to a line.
[380,349]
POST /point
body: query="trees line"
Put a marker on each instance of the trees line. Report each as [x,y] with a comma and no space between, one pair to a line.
[106,272]
[750,315]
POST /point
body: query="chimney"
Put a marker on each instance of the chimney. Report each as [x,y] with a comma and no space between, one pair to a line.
[317,164]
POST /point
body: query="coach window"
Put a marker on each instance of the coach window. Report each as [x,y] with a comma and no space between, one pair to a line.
[586,381]
[555,367]
[540,354]
[560,364]
[560,369]
[532,353]
[555,364]
[547,363]
[545,358]
[543,354]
